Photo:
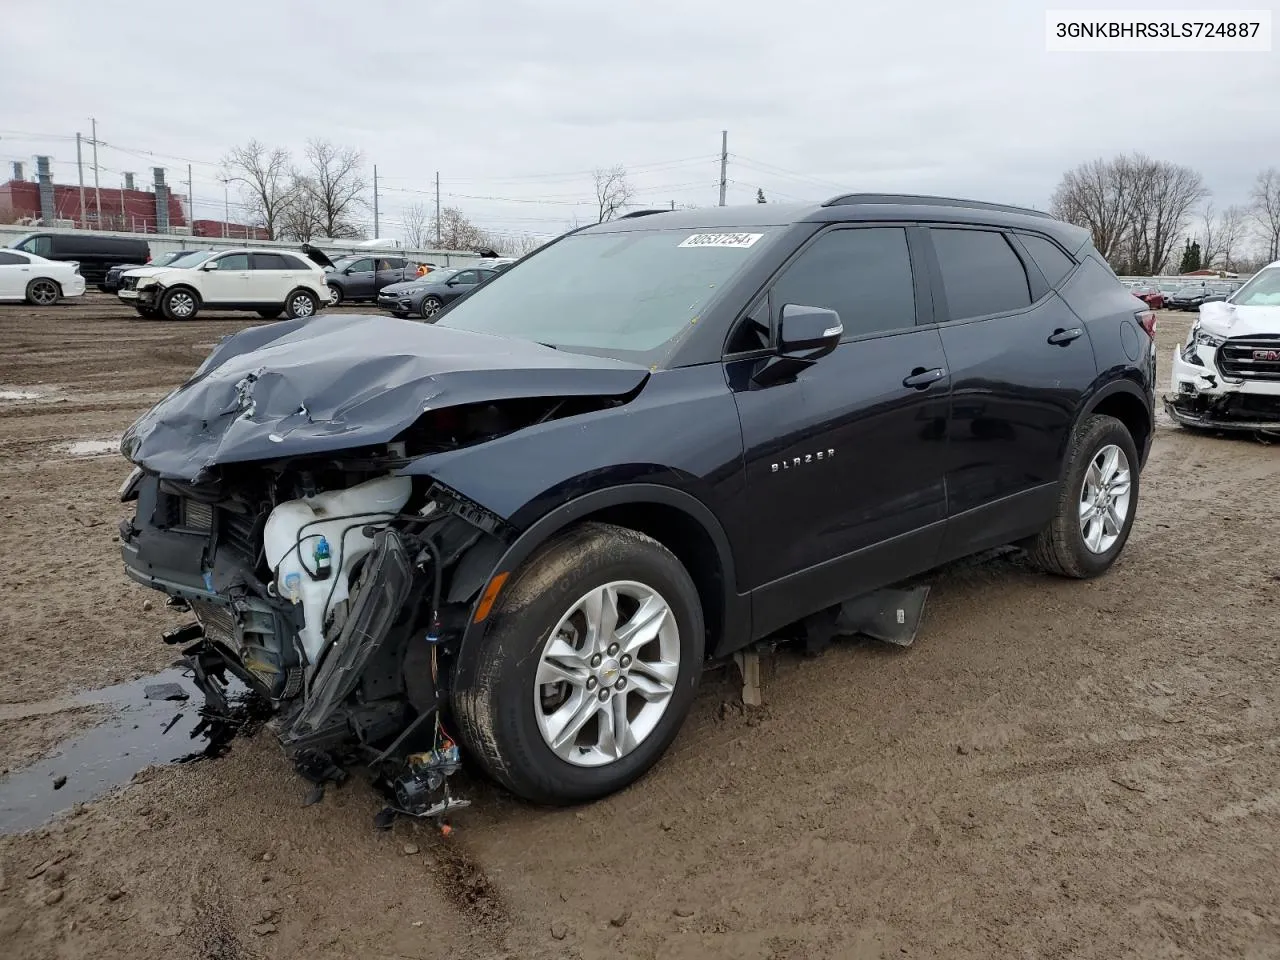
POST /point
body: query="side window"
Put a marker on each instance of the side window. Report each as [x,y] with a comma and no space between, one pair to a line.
[863,274]
[271,261]
[981,274]
[362,266]
[487,274]
[294,263]
[466,276]
[12,259]
[1053,263]
[40,246]
[234,261]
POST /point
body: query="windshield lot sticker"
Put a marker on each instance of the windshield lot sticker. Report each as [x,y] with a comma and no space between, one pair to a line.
[721,240]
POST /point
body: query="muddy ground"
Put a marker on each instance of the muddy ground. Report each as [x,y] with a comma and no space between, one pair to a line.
[1055,769]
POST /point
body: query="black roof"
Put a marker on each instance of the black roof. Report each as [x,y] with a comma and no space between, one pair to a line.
[853,207]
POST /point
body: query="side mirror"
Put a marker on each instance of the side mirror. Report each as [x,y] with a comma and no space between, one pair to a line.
[808,332]
[211,265]
[805,335]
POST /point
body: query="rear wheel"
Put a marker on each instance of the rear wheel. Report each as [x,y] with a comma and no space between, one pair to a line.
[42,292]
[179,304]
[587,667]
[1096,505]
[300,304]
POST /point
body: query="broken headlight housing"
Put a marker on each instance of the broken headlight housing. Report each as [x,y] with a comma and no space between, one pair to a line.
[1197,338]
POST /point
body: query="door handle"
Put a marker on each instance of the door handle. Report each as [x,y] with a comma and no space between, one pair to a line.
[1061,337]
[921,378]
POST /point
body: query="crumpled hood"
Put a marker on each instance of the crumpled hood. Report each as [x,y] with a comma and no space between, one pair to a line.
[141,272]
[1228,320]
[337,381]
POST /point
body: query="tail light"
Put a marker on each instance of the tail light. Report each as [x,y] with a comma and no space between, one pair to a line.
[1147,321]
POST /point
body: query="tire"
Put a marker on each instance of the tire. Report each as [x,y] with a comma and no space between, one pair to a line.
[270,314]
[301,304]
[179,303]
[1061,548]
[335,295]
[43,292]
[148,313]
[430,307]
[504,714]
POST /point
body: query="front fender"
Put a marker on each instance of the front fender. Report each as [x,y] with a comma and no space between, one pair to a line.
[736,608]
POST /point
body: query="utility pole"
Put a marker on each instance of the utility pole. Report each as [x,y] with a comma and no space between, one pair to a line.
[673,204]
[97,189]
[226,208]
[724,164]
[375,201]
[80,167]
[437,208]
[191,204]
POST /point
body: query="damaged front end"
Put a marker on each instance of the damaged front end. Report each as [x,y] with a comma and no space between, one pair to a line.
[1226,376]
[270,502]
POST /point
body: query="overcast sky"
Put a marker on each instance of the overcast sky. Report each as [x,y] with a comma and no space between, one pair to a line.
[520,99]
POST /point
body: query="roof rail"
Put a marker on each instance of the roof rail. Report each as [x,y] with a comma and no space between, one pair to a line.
[639,213]
[846,199]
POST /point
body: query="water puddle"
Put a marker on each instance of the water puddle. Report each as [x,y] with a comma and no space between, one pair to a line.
[92,448]
[139,733]
[28,395]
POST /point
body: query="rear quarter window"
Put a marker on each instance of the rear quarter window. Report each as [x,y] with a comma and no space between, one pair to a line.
[1048,256]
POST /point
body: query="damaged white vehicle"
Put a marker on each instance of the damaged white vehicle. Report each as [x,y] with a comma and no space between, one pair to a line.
[1227,375]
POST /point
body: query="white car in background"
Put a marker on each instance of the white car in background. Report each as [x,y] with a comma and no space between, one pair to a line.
[268,282]
[1227,375]
[40,282]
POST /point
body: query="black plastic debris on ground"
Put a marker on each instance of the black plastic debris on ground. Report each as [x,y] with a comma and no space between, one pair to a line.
[165,691]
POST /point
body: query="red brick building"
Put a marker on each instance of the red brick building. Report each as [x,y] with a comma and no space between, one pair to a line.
[129,211]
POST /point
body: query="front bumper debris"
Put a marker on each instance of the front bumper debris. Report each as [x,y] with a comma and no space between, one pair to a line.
[1205,397]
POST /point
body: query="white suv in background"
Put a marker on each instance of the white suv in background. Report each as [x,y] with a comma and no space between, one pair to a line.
[270,282]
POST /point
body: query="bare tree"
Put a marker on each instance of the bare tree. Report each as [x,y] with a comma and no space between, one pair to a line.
[1266,210]
[266,181]
[300,217]
[456,232]
[417,226]
[613,192]
[516,245]
[1220,236]
[1097,195]
[1134,207]
[333,177]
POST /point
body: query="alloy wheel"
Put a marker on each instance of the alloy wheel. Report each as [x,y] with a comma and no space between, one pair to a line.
[1105,499]
[607,673]
[44,293]
[182,305]
[302,306]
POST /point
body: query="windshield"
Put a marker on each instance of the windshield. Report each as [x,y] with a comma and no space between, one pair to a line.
[1263,290]
[629,291]
[190,259]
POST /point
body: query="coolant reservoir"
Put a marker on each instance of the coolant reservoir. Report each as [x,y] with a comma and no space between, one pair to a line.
[301,534]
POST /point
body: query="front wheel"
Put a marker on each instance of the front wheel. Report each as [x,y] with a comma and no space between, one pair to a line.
[42,293]
[179,304]
[587,667]
[430,307]
[1097,503]
[335,295]
[300,305]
